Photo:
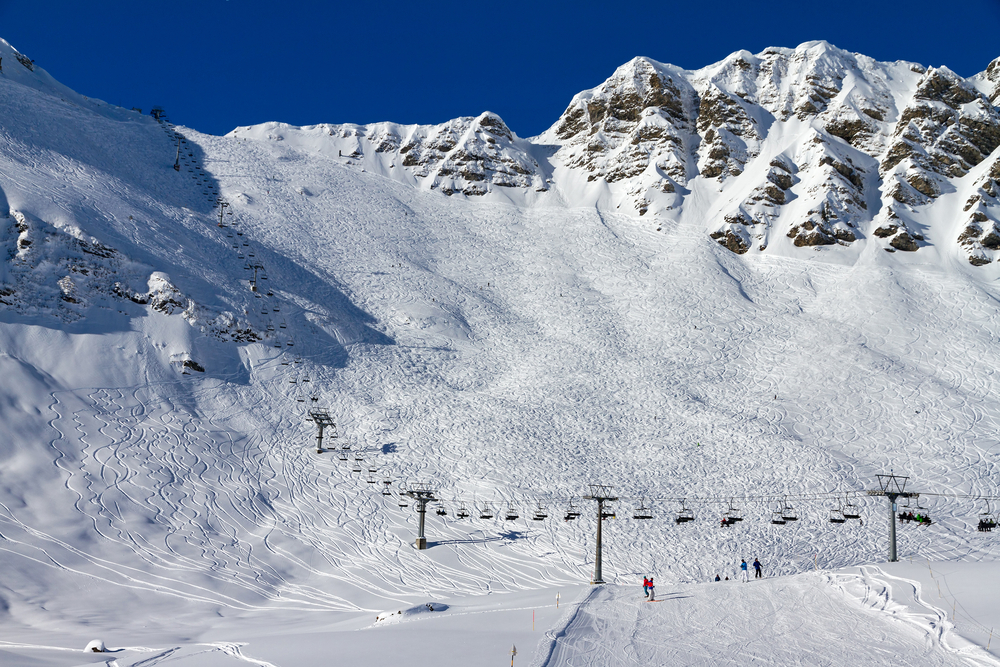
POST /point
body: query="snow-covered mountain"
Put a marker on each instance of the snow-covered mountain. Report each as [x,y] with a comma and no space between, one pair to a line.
[681,290]
[807,147]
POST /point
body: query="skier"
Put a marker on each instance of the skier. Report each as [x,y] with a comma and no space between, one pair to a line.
[651,595]
[744,575]
[756,567]
[717,578]
[645,586]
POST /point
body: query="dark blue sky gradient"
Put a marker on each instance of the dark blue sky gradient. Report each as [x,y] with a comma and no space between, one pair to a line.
[217,64]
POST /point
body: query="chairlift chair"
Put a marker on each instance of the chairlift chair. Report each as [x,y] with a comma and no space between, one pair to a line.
[511,514]
[608,513]
[987,521]
[572,513]
[642,512]
[788,512]
[540,513]
[462,512]
[371,479]
[402,502]
[486,512]
[851,511]
[734,513]
[837,516]
[342,455]
[684,514]
[777,519]
[440,510]
[356,467]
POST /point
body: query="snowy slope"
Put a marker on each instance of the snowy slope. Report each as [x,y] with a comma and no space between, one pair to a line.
[508,348]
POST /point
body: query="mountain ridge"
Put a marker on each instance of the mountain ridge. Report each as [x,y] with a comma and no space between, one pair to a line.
[838,148]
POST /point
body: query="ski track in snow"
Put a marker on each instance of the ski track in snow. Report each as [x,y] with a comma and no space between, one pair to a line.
[801,620]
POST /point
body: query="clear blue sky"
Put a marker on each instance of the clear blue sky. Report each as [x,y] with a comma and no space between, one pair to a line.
[217,64]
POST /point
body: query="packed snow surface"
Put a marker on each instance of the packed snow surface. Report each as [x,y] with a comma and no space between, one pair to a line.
[161,487]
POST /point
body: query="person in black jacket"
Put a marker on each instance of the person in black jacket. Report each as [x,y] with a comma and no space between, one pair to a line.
[756,567]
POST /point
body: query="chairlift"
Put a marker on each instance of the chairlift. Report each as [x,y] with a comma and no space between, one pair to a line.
[440,510]
[486,512]
[837,516]
[684,514]
[608,513]
[572,513]
[462,512]
[987,522]
[851,511]
[788,512]
[342,455]
[733,513]
[282,325]
[290,342]
[777,519]
[511,514]
[371,479]
[356,467]
[642,512]
[402,502]
[386,483]
[540,513]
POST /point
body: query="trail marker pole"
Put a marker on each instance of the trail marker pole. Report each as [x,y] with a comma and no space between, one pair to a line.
[601,494]
[892,487]
[513,652]
[423,494]
[322,419]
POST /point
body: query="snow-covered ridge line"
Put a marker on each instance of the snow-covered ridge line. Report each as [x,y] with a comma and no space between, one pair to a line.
[798,148]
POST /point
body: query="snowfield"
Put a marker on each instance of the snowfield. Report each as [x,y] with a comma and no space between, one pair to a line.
[159,483]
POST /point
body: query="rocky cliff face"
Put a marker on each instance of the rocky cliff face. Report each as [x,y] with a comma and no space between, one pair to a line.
[829,147]
[787,149]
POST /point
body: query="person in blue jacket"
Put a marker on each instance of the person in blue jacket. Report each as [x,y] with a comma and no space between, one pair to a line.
[744,575]
[756,567]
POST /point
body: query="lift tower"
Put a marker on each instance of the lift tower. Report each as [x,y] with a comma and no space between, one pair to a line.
[423,494]
[321,417]
[601,494]
[892,487]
